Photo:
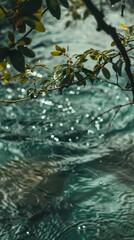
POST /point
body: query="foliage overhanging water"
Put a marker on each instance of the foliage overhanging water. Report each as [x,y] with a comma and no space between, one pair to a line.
[90,193]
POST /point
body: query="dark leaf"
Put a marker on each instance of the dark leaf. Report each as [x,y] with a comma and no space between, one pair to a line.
[87,72]
[86,14]
[11,36]
[78,76]
[30,7]
[114,1]
[26,51]
[17,60]
[76,15]
[54,8]
[3,53]
[2,14]
[65,3]
[118,66]
[68,23]
[106,72]
[13,3]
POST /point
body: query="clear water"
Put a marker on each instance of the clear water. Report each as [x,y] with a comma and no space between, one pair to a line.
[88,190]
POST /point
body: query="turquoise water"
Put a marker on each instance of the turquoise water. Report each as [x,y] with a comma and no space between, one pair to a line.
[87,192]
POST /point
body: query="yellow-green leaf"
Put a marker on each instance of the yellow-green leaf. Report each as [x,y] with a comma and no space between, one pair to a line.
[58,48]
[2,14]
[56,53]
[24,80]
[25,41]
[2,66]
[34,23]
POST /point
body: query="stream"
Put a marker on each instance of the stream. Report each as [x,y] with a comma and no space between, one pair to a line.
[60,179]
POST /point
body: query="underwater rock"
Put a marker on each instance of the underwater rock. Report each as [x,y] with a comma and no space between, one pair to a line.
[26,187]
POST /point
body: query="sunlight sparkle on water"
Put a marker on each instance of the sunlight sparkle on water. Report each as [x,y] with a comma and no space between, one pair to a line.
[117,97]
[60,106]
[43,117]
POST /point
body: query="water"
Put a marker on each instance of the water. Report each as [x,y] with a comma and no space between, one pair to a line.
[88,192]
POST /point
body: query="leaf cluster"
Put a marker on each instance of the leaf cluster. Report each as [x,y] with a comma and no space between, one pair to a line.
[24,16]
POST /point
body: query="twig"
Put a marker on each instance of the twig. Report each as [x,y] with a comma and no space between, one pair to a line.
[111,109]
[15,100]
[118,107]
[111,120]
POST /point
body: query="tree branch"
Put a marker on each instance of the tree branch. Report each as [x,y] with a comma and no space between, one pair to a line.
[102,25]
[111,109]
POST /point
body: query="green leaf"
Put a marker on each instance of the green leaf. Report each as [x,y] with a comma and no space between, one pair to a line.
[87,72]
[30,7]
[13,3]
[58,48]
[11,36]
[117,67]
[65,3]
[86,14]
[3,53]
[17,60]
[106,73]
[34,24]
[56,53]
[76,15]
[54,8]
[80,78]
[26,51]
[25,41]
[2,14]
[24,80]
[68,23]
[113,44]
[3,66]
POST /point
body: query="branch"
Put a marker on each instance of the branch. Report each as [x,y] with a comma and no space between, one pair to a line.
[111,109]
[102,25]
[15,100]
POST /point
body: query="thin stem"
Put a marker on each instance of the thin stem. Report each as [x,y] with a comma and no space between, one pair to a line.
[15,100]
